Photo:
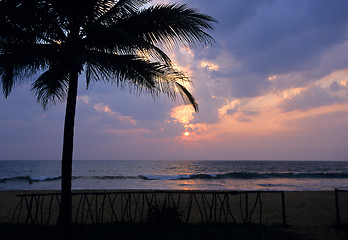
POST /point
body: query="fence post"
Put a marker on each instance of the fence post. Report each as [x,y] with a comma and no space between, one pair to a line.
[283,208]
[338,219]
[246,208]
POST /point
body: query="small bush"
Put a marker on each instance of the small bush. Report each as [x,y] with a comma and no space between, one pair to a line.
[164,214]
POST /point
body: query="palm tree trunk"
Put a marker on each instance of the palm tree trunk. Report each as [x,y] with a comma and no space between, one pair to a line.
[65,218]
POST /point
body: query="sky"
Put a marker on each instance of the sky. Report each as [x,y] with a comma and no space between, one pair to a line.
[274,86]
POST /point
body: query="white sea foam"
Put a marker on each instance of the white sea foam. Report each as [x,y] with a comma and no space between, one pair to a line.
[44,178]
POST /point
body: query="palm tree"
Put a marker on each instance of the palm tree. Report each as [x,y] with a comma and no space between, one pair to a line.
[52,42]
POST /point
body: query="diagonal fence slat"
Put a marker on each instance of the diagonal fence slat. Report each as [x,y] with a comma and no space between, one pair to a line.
[341,205]
[191,206]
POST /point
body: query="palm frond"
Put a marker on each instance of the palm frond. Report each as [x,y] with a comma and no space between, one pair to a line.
[170,83]
[27,53]
[113,40]
[12,73]
[51,86]
[171,24]
[19,62]
[121,9]
[121,69]
[100,8]
[116,40]
[138,75]
[187,96]
[30,21]
[7,80]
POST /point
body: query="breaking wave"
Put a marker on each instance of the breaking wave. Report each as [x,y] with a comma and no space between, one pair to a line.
[245,175]
[29,178]
[232,175]
[56,178]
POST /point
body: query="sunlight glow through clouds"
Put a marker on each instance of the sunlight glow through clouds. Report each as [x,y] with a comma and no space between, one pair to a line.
[291,92]
[264,115]
[260,115]
[210,66]
[182,60]
[341,77]
[265,124]
[335,83]
[271,78]
[183,114]
[229,106]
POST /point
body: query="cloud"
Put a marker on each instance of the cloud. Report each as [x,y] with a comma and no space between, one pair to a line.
[301,33]
[310,98]
[229,108]
[326,91]
[209,65]
[265,38]
[84,99]
[129,132]
[183,114]
[335,86]
[101,107]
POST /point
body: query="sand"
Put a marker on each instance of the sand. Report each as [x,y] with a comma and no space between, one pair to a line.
[312,214]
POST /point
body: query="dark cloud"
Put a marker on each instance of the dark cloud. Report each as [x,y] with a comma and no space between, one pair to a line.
[334,86]
[287,35]
[231,13]
[275,37]
[310,98]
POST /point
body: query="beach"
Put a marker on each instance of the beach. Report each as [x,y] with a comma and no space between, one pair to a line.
[308,213]
[209,192]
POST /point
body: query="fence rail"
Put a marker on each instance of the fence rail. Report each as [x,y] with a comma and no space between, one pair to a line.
[135,206]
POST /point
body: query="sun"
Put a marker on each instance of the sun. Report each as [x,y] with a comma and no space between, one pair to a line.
[186,134]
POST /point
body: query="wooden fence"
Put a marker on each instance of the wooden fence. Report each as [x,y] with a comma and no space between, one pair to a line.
[134,206]
[340,206]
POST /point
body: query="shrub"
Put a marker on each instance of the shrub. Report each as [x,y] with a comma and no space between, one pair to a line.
[164,214]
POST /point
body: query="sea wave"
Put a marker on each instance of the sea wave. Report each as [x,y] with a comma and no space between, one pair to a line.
[29,178]
[275,185]
[231,175]
[165,177]
[55,178]
[112,177]
[245,175]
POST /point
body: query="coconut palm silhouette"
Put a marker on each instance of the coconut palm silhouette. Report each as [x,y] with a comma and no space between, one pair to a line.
[52,42]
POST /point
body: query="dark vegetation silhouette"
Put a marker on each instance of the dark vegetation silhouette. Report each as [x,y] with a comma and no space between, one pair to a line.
[52,42]
[164,214]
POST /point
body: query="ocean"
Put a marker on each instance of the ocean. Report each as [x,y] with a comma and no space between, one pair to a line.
[181,175]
